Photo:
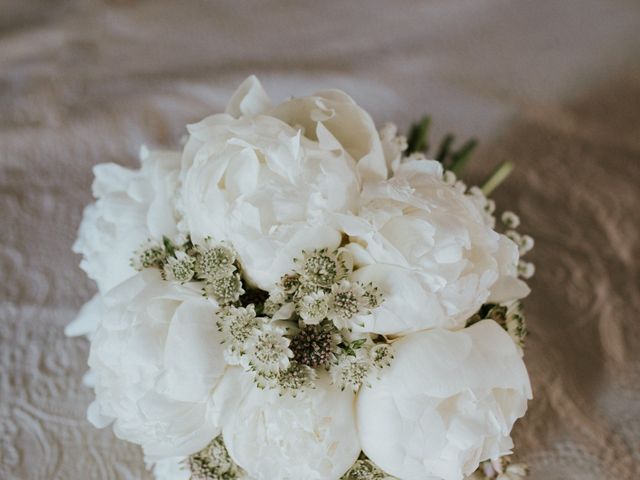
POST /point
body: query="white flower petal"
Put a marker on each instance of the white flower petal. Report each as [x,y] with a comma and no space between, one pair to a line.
[131,208]
[312,436]
[448,401]
[156,359]
[249,99]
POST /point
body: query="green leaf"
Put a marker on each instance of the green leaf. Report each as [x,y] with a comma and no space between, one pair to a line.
[418,140]
[168,245]
[444,148]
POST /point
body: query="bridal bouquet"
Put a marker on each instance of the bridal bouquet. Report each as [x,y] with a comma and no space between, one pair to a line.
[296,295]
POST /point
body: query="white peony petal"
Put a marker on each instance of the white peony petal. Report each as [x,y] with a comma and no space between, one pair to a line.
[508,287]
[155,360]
[312,436]
[191,365]
[435,242]
[132,207]
[88,318]
[249,99]
[406,301]
[448,401]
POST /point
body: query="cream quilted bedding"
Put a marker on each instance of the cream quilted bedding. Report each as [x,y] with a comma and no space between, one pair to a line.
[552,85]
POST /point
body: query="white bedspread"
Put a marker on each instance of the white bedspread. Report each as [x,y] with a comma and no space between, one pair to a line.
[552,85]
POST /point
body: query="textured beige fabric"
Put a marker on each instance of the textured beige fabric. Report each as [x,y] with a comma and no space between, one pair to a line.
[552,85]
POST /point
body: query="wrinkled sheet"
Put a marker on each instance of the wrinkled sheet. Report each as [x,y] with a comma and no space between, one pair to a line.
[553,86]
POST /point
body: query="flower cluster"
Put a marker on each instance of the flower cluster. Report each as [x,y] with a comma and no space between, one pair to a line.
[213,463]
[310,298]
[305,326]
[365,469]
[319,289]
[213,264]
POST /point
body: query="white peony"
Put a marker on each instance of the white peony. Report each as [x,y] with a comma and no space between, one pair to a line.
[265,178]
[428,249]
[156,359]
[311,436]
[447,402]
[132,206]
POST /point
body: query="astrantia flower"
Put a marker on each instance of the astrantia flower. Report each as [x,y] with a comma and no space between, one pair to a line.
[225,290]
[381,355]
[351,371]
[265,178]
[296,379]
[149,255]
[239,327]
[269,351]
[322,268]
[213,463]
[311,436]
[214,261]
[429,250]
[349,300]
[156,357]
[447,401]
[314,307]
[365,470]
[132,207]
[315,345]
[179,268]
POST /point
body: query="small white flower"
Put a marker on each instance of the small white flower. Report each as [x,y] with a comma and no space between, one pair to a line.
[347,300]
[352,370]
[213,463]
[151,254]
[449,178]
[526,244]
[225,290]
[269,351]
[365,470]
[381,355]
[526,269]
[295,379]
[179,268]
[314,307]
[510,220]
[239,327]
[320,268]
[214,261]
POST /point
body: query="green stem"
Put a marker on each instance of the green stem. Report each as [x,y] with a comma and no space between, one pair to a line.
[460,158]
[496,177]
